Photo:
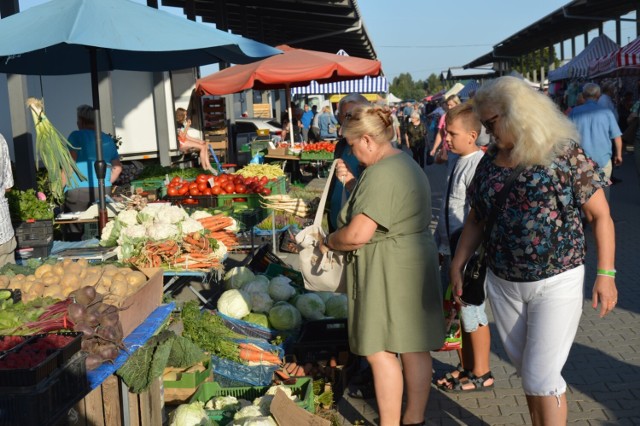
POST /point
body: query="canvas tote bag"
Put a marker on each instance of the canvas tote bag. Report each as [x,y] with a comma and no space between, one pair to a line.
[321,271]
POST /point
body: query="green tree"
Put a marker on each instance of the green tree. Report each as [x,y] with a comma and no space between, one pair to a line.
[434,84]
[404,87]
[536,60]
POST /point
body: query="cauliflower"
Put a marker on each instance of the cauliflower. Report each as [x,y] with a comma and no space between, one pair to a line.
[227,403]
[171,215]
[248,412]
[273,389]
[128,217]
[162,231]
[190,225]
[110,234]
[200,214]
[148,214]
[221,252]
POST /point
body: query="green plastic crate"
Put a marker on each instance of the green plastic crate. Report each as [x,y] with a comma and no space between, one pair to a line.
[273,270]
[147,185]
[303,389]
[190,380]
[316,155]
[251,200]
[278,187]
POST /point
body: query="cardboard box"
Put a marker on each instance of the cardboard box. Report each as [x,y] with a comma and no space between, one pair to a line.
[138,306]
[278,151]
[287,413]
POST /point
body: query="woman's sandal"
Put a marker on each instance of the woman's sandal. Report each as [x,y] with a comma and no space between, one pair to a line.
[462,386]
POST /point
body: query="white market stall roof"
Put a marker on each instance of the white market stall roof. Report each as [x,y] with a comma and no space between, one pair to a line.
[622,61]
[454,90]
[579,65]
[362,85]
[467,73]
[471,86]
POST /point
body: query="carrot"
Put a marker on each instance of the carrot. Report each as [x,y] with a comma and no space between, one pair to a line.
[283,374]
[250,355]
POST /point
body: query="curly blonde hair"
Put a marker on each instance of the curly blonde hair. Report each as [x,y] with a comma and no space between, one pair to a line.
[372,120]
[539,129]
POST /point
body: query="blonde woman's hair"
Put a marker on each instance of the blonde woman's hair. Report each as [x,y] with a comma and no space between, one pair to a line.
[374,121]
[325,109]
[540,130]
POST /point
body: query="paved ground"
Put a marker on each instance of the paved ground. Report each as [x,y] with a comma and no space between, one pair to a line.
[603,369]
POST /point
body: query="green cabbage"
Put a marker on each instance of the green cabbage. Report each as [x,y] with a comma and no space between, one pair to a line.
[284,316]
[234,303]
[310,306]
[258,319]
[237,277]
[336,306]
[280,289]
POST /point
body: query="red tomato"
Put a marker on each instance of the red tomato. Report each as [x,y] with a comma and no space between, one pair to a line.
[172,191]
[216,190]
[207,191]
[240,188]
[194,191]
[264,180]
[229,188]
[184,189]
[265,191]
[202,186]
[193,185]
[175,180]
[202,178]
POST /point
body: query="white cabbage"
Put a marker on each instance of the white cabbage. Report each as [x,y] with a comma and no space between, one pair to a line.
[237,277]
[260,302]
[310,306]
[280,289]
[234,303]
[284,316]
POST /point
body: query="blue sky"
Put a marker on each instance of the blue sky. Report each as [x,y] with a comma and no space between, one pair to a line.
[424,36]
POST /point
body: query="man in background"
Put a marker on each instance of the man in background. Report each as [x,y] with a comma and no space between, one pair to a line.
[598,126]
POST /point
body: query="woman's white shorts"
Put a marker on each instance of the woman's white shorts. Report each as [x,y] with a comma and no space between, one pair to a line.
[537,322]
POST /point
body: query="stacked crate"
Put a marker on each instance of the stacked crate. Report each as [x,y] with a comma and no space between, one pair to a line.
[215,128]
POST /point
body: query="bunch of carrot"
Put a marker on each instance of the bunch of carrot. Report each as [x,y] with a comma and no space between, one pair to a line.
[253,353]
[216,223]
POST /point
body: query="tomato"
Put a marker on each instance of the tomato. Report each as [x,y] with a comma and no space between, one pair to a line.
[216,190]
[265,191]
[202,186]
[176,179]
[194,191]
[190,201]
[207,191]
[264,180]
[202,178]
[229,188]
[240,200]
[172,191]
[193,185]
[240,188]
[183,190]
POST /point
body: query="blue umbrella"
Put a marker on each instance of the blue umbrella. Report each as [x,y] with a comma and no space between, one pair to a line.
[80,36]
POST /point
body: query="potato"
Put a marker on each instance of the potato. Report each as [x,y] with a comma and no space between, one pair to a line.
[36,289]
[51,280]
[94,270]
[91,279]
[4,281]
[31,278]
[43,269]
[125,270]
[58,269]
[72,281]
[54,292]
[119,286]
[83,263]
[136,278]
[66,262]
[73,268]
[110,270]
[114,300]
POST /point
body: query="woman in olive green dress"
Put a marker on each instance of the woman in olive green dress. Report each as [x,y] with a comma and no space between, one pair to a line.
[393,284]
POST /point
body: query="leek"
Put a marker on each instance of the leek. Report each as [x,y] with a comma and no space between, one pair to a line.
[53,150]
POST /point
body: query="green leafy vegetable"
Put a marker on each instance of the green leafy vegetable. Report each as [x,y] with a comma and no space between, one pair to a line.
[184,353]
[209,332]
[147,363]
[25,205]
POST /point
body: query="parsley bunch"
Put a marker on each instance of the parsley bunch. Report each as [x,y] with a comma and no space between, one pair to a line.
[25,205]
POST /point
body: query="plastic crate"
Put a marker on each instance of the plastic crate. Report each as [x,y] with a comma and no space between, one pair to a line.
[35,249]
[263,258]
[146,185]
[47,401]
[316,155]
[303,389]
[202,200]
[230,373]
[249,329]
[321,339]
[189,379]
[66,352]
[33,232]
[251,200]
[277,187]
[274,269]
[15,342]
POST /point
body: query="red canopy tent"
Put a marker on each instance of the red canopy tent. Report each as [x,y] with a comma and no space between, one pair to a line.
[294,68]
[624,61]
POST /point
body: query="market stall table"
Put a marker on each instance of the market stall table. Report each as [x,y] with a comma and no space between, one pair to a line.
[109,401]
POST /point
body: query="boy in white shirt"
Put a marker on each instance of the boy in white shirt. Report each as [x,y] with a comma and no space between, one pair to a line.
[473,373]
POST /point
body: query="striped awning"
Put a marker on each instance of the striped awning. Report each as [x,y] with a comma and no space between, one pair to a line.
[620,61]
[362,85]
[579,65]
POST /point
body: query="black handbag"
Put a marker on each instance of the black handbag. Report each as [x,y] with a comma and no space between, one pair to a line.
[475,270]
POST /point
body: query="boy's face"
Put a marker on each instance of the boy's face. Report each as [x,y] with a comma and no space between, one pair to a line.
[460,140]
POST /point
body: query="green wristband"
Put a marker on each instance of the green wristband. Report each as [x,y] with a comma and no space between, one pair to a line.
[607,272]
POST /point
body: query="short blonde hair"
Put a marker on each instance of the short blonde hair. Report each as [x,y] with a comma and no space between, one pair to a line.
[540,130]
[373,120]
[464,113]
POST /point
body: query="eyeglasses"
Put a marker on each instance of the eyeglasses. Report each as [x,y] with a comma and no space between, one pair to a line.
[490,123]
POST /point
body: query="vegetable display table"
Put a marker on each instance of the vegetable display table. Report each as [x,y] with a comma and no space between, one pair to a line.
[109,402]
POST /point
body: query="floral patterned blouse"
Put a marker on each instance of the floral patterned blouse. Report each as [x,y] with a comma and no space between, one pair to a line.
[539,232]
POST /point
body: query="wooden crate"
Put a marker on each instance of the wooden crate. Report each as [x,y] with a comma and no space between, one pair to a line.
[103,406]
[262,110]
